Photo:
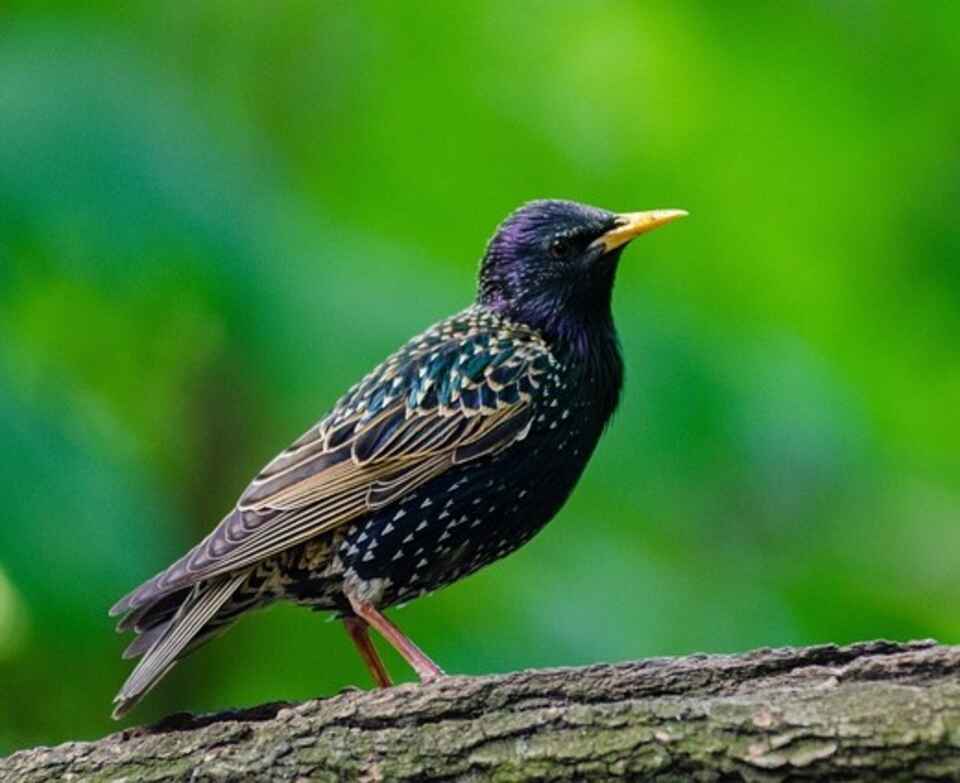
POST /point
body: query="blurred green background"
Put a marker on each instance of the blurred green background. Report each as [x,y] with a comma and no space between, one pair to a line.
[214,217]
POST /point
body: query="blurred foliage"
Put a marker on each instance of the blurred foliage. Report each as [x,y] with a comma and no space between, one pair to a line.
[214,217]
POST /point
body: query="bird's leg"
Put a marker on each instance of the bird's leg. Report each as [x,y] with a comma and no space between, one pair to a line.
[358,630]
[425,668]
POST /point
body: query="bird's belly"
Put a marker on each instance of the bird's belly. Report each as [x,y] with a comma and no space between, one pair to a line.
[460,522]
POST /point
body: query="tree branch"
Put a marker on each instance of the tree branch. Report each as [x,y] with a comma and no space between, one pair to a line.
[871,711]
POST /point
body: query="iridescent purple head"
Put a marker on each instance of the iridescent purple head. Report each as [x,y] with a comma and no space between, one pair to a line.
[551,264]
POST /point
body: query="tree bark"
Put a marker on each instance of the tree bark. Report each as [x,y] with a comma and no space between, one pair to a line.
[870,711]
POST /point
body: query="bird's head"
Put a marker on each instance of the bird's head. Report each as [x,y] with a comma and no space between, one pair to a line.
[551,264]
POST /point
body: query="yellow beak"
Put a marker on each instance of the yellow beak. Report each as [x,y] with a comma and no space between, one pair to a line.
[633,224]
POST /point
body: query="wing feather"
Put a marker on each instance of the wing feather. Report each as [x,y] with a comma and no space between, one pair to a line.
[424,410]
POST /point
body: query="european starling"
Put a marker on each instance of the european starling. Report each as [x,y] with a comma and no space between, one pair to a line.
[449,455]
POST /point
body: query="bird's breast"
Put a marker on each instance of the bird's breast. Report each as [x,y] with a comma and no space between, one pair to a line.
[477,512]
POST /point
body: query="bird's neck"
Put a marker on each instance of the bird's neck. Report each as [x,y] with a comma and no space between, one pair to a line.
[584,340]
[590,349]
[577,323]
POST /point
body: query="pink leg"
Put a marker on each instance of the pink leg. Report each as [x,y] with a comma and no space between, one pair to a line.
[425,668]
[358,630]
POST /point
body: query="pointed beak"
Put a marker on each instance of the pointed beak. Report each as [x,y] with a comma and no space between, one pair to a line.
[633,224]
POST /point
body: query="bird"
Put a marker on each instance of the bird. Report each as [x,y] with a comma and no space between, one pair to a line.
[449,455]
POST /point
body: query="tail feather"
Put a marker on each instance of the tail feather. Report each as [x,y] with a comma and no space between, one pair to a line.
[146,640]
[169,640]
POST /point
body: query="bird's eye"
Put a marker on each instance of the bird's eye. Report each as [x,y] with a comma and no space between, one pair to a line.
[559,247]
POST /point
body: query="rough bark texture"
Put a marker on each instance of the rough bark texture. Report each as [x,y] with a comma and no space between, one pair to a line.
[871,711]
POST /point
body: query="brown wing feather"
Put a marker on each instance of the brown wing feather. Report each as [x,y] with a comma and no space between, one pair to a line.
[347,465]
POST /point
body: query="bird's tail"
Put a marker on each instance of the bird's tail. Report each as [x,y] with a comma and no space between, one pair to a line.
[166,643]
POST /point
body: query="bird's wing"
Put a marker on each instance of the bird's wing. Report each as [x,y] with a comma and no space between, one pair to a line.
[444,399]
